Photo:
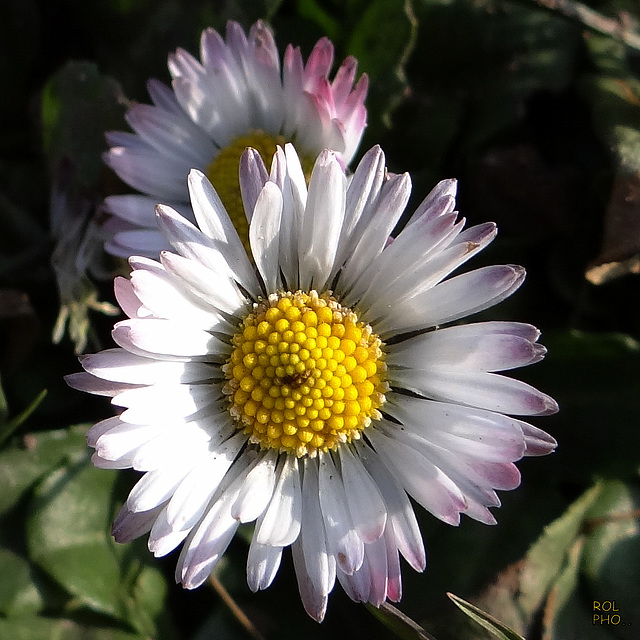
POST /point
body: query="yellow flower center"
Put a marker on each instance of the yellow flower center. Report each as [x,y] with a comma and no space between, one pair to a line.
[224,176]
[305,374]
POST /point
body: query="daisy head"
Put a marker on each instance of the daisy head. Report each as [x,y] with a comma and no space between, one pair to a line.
[237,95]
[313,389]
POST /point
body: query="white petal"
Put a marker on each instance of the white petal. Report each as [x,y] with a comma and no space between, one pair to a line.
[166,299]
[421,479]
[425,239]
[196,490]
[356,585]
[439,201]
[125,462]
[362,191]
[141,242]
[171,400]
[216,253]
[294,197]
[475,476]
[165,339]
[156,487]
[164,98]
[208,548]
[163,538]
[257,490]
[537,442]
[365,502]
[393,286]
[258,56]
[401,516]
[278,171]
[264,233]
[123,438]
[128,300]
[119,365]
[322,223]
[91,384]
[457,297]
[394,577]
[342,540]
[320,566]
[482,433]
[369,583]
[376,559]
[478,389]
[211,289]
[214,99]
[485,346]
[208,540]
[169,445]
[263,562]
[213,220]
[143,168]
[371,241]
[101,428]
[172,137]
[253,176]
[134,208]
[128,525]
[280,524]
[314,601]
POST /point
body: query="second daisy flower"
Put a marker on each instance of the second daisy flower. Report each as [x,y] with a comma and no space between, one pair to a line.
[236,96]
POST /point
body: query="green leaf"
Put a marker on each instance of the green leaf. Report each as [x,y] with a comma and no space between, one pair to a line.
[546,558]
[491,624]
[67,534]
[9,427]
[566,615]
[597,538]
[21,466]
[68,537]
[401,624]
[611,558]
[35,628]
[145,606]
[382,40]
[18,593]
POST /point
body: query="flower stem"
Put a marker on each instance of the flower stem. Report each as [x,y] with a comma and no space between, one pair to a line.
[235,609]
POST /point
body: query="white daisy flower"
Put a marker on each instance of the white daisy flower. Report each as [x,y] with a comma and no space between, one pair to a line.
[235,97]
[313,393]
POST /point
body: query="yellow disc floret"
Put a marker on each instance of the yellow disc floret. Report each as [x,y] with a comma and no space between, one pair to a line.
[304,375]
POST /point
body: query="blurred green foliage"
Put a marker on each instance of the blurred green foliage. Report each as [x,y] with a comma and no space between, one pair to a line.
[539,118]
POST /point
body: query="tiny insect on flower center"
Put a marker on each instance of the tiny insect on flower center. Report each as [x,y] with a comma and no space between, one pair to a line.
[305,374]
[223,173]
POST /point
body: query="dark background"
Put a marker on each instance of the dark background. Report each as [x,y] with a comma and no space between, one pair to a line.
[538,116]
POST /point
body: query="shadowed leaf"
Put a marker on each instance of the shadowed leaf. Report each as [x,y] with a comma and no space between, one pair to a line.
[401,624]
[35,628]
[21,466]
[496,628]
